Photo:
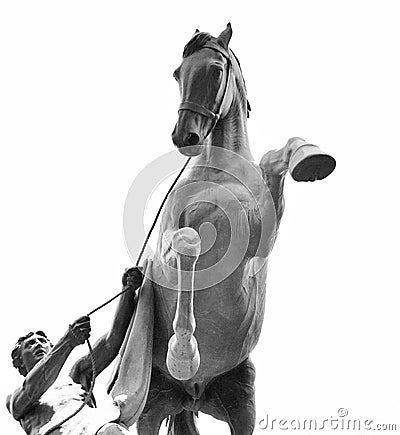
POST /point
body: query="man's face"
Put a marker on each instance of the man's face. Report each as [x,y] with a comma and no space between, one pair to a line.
[33,349]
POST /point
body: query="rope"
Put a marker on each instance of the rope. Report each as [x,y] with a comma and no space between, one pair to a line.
[125,289]
[146,240]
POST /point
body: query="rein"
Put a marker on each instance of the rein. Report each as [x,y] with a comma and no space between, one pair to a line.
[202,110]
[126,288]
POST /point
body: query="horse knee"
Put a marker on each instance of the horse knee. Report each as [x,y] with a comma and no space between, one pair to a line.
[186,241]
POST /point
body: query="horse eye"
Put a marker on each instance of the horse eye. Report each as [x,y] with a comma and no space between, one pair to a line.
[217,74]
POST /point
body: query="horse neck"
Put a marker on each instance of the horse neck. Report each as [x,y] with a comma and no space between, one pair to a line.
[229,133]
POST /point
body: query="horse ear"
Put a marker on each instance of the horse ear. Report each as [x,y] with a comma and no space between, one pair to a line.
[196,32]
[225,36]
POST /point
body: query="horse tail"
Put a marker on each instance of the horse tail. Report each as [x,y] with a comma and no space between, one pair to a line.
[183,423]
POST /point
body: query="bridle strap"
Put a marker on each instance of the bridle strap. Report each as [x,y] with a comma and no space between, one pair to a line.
[202,110]
[198,108]
[217,47]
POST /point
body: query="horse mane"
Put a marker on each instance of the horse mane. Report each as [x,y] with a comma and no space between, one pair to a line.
[243,91]
[198,41]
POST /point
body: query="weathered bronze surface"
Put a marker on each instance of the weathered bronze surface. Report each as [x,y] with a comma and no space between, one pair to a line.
[45,398]
[200,310]
[208,275]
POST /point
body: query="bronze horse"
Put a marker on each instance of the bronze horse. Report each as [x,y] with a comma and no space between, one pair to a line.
[207,279]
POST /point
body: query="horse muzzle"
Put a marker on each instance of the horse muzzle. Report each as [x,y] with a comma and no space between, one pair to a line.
[189,133]
[189,143]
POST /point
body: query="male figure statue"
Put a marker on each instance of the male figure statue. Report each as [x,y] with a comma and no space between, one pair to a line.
[45,398]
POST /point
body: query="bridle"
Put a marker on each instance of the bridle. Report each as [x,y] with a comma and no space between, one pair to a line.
[202,110]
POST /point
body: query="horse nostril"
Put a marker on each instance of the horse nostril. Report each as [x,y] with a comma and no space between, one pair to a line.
[192,139]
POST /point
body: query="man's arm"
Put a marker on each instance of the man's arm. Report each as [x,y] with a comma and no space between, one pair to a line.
[45,372]
[106,348]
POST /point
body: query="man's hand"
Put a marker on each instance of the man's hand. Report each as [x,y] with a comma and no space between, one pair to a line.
[79,331]
[132,277]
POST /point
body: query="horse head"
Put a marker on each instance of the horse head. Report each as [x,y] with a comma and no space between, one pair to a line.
[208,88]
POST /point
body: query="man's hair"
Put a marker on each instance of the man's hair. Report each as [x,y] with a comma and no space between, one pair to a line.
[16,353]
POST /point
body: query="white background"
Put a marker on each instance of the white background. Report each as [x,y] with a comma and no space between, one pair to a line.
[88,100]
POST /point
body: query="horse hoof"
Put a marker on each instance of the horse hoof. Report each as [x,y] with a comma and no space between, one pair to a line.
[183,360]
[309,163]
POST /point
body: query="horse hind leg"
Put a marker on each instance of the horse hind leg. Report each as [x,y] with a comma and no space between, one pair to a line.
[231,398]
[274,166]
[164,399]
[180,424]
[183,358]
[183,424]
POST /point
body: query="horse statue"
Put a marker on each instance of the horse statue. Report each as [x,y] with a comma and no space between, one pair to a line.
[201,306]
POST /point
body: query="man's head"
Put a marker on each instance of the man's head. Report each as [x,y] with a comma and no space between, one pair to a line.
[29,350]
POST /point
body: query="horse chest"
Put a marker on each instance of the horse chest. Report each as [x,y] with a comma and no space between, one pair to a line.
[216,203]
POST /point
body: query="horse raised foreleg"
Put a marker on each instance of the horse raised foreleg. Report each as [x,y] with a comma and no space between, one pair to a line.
[183,358]
[274,166]
[305,161]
